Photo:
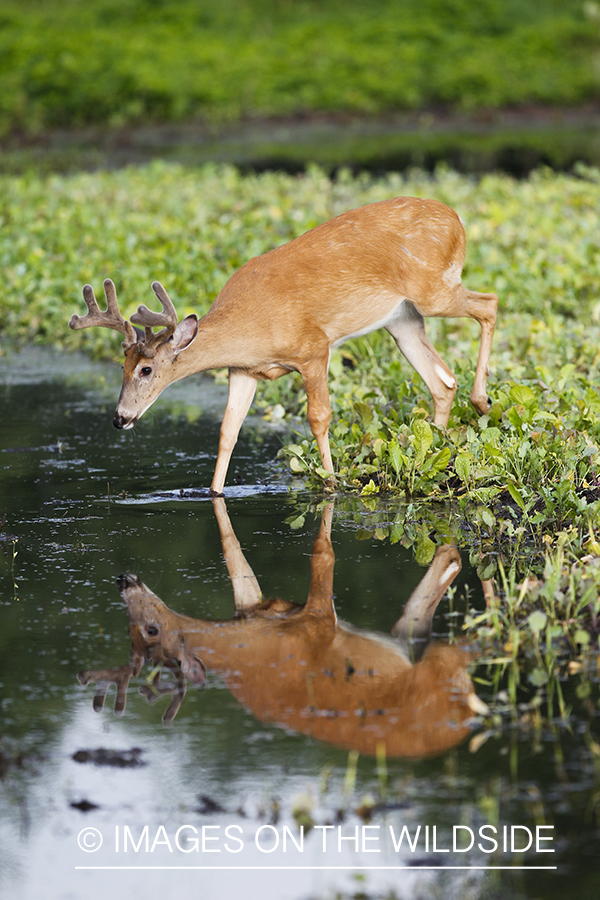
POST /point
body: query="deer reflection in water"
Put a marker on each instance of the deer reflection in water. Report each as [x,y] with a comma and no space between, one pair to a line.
[300,667]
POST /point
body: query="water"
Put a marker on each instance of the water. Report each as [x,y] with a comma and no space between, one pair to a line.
[513,141]
[84,503]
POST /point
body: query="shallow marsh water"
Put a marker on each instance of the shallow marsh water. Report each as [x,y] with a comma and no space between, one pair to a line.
[84,503]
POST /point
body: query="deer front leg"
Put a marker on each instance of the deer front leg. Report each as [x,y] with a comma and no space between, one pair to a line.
[246,589]
[322,560]
[242,388]
[319,408]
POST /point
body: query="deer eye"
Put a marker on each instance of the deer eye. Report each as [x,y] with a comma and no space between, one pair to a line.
[146,370]
[151,630]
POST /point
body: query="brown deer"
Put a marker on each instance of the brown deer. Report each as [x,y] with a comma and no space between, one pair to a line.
[298,666]
[385,265]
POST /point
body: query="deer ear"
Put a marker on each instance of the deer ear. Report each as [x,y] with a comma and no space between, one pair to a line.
[192,667]
[185,333]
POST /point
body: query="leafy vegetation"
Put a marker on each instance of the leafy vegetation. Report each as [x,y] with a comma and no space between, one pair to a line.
[66,63]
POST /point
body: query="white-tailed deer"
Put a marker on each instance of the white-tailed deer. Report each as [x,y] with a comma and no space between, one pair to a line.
[298,666]
[385,265]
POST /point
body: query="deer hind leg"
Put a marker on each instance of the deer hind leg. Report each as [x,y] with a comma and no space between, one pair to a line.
[414,626]
[319,408]
[408,330]
[242,388]
[482,307]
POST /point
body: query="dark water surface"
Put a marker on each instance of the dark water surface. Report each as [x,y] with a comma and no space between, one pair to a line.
[512,140]
[82,503]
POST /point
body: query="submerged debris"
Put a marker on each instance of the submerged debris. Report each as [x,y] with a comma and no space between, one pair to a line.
[119,759]
[208,806]
[84,806]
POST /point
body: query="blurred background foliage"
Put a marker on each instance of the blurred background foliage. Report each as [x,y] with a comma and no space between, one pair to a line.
[71,63]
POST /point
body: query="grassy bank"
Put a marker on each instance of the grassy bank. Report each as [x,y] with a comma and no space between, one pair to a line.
[68,63]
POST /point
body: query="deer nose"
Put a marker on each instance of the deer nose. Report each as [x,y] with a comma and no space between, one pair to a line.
[126,581]
[118,421]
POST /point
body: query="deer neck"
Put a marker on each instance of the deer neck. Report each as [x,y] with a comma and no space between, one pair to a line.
[217,345]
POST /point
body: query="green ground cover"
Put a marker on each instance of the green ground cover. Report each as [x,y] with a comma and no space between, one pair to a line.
[68,63]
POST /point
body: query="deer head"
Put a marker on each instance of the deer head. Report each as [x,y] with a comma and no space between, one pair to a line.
[157,633]
[150,357]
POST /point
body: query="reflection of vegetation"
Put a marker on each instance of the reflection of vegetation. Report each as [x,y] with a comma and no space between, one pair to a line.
[538,634]
[540,643]
[14,554]
[171,59]
[375,144]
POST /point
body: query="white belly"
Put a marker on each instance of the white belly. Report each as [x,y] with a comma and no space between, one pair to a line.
[392,316]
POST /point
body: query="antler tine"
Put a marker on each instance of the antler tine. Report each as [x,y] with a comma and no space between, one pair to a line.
[110,318]
[110,292]
[150,319]
[152,692]
[119,675]
[168,317]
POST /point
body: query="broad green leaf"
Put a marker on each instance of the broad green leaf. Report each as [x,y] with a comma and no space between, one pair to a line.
[378,447]
[462,466]
[365,412]
[396,532]
[514,417]
[515,493]
[537,620]
[495,413]
[370,488]
[423,439]
[440,460]
[396,455]
[425,549]
[487,572]
[487,517]
[520,393]
[296,465]
[296,522]
[297,449]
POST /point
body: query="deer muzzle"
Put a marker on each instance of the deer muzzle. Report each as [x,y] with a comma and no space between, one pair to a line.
[122,423]
[127,581]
